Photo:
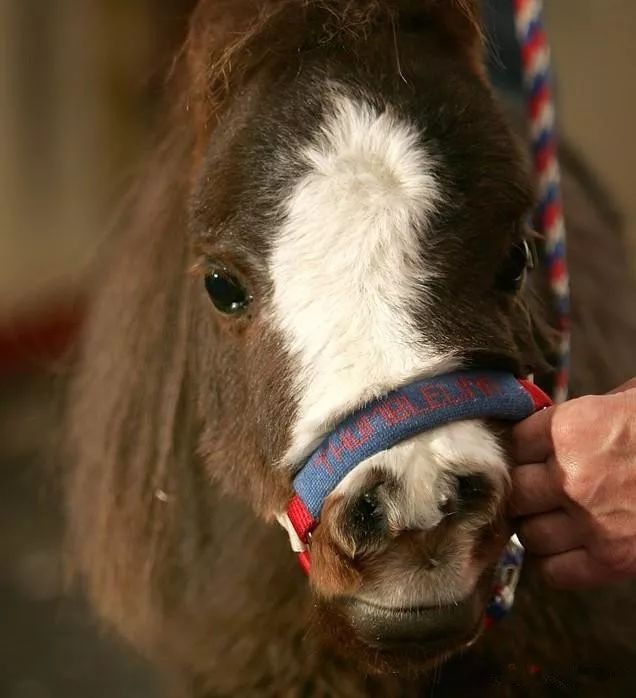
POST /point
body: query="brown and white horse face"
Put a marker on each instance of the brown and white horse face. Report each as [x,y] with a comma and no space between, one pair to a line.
[369,221]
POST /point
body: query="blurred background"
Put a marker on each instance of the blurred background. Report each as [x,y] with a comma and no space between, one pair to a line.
[79,86]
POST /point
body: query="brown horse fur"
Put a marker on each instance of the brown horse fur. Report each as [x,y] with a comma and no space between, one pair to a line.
[172,448]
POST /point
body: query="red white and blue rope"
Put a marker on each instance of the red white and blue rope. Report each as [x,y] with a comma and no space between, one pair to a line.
[535,53]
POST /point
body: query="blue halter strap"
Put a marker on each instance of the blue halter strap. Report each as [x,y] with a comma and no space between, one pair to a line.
[402,413]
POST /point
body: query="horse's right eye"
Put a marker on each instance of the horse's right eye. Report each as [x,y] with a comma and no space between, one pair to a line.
[518,262]
[226,293]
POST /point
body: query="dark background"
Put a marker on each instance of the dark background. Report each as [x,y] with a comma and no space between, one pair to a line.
[79,82]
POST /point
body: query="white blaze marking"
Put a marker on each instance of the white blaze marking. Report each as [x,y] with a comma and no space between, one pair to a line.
[347,265]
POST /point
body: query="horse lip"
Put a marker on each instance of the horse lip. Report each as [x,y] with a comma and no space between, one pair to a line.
[432,628]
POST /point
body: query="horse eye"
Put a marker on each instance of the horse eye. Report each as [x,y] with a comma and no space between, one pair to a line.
[226,293]
[512,272]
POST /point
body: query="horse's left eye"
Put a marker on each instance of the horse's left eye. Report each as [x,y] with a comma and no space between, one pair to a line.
[512,272]
[226,293]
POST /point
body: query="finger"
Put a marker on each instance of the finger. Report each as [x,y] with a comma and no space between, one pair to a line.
[550,534]
[531,439]
[575,569]
[534,490]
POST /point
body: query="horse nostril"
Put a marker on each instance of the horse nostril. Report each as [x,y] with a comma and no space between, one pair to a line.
[367,511]
[472,491]
[367,517]
[468,493]
[368,508]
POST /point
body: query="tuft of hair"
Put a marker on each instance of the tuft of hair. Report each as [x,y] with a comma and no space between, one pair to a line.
[229,39]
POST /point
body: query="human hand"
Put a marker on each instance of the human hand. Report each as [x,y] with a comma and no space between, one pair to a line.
[574,490]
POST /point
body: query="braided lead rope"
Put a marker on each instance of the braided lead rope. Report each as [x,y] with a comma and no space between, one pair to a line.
[535,56]
[535,53]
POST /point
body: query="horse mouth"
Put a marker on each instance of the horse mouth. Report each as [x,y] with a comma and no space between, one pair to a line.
[427,630]
[409,641]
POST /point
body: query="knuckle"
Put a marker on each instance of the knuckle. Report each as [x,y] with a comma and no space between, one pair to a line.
[619,558]
[623,423]
[564,427]
[575,420]
[576,426]
[577,486]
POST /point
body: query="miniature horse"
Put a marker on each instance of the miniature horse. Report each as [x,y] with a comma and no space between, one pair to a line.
[338,206]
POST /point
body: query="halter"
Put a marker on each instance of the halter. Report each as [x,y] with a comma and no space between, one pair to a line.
[433,402]
[412,409]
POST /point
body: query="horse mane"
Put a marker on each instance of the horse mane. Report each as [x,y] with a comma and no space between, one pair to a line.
[123,412]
